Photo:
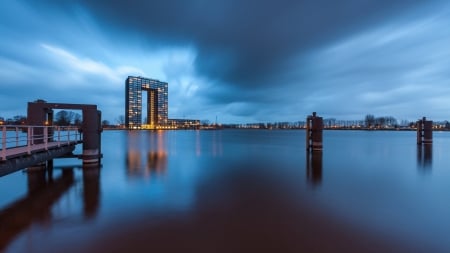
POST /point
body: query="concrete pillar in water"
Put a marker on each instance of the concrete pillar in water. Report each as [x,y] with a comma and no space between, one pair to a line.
[427,132]
[419,132]
[424,131]
[92,129]
[314,129]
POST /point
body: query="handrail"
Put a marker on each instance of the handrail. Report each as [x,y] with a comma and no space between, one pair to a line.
[20,136]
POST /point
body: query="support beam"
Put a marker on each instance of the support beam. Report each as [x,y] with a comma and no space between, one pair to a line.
[18,163]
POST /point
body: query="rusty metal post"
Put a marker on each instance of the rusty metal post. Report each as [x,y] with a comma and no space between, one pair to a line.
[424,131]
[419,132]
[314,130]
[308,133]
[427,131]
[316,134]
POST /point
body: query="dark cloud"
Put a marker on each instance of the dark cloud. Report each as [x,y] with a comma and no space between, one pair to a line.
[245,43]
[241,60]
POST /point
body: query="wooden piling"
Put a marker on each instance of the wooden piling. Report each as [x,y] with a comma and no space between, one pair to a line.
[314,129]
[424,131]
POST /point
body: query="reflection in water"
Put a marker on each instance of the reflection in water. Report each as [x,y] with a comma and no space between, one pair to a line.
[424,155]
[133,161]
[217,143]
[153,149]
[215,147]
[91,191]
[44,191]
[36,206]
[314,166]
[157,161]
[247,199]
[198,149]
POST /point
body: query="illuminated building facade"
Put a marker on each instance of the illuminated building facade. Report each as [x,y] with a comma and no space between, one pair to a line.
[157,102]
[184,123]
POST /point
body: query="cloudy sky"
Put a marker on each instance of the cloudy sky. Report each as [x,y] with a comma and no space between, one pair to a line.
[240,60]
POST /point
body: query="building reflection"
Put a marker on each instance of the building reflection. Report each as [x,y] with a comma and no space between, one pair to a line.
[43,192]
[146,155]
[314,167]
[424,156]
[156,161]
[215,147]
[133,161]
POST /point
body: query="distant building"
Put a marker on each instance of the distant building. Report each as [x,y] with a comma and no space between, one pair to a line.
[157,102]
[184,123]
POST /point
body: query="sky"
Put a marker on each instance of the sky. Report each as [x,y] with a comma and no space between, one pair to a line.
[237,61]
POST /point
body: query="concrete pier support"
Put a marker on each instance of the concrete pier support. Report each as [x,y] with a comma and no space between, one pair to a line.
[424,131]
[314,129]
[92,130]
[40,113]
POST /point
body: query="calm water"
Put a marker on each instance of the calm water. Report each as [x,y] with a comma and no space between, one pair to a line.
[236,191]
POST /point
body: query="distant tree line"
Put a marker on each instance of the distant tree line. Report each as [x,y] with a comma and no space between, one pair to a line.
[16,120]
[67,118]
[379,122]
[61,118]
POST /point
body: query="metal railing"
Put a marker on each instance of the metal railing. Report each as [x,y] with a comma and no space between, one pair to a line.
[27,136]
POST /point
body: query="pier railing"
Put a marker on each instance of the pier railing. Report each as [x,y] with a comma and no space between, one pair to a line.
[28,136]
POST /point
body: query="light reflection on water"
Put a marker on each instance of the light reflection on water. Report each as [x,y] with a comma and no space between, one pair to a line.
[229,190]
[146,155]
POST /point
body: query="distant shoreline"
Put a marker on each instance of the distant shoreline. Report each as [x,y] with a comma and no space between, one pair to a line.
[235,128]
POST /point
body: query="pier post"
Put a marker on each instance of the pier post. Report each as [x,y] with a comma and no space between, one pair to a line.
[92,129]
[314,129]
[424,131]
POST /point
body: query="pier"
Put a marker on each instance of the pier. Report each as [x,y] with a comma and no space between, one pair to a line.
[40,141]
[21,147]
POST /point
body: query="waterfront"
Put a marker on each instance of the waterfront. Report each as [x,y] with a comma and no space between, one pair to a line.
[240,191]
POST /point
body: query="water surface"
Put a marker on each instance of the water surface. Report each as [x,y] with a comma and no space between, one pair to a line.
[236,191]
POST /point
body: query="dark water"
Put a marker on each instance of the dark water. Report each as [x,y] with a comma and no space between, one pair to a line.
[236,191]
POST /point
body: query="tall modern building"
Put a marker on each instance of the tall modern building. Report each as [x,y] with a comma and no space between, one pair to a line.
[157,102]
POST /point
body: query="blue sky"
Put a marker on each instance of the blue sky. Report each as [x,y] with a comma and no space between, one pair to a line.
[240,60]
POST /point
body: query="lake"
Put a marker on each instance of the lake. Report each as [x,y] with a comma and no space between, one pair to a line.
[236,191]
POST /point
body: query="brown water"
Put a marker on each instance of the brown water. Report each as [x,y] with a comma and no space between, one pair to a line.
[236,191]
